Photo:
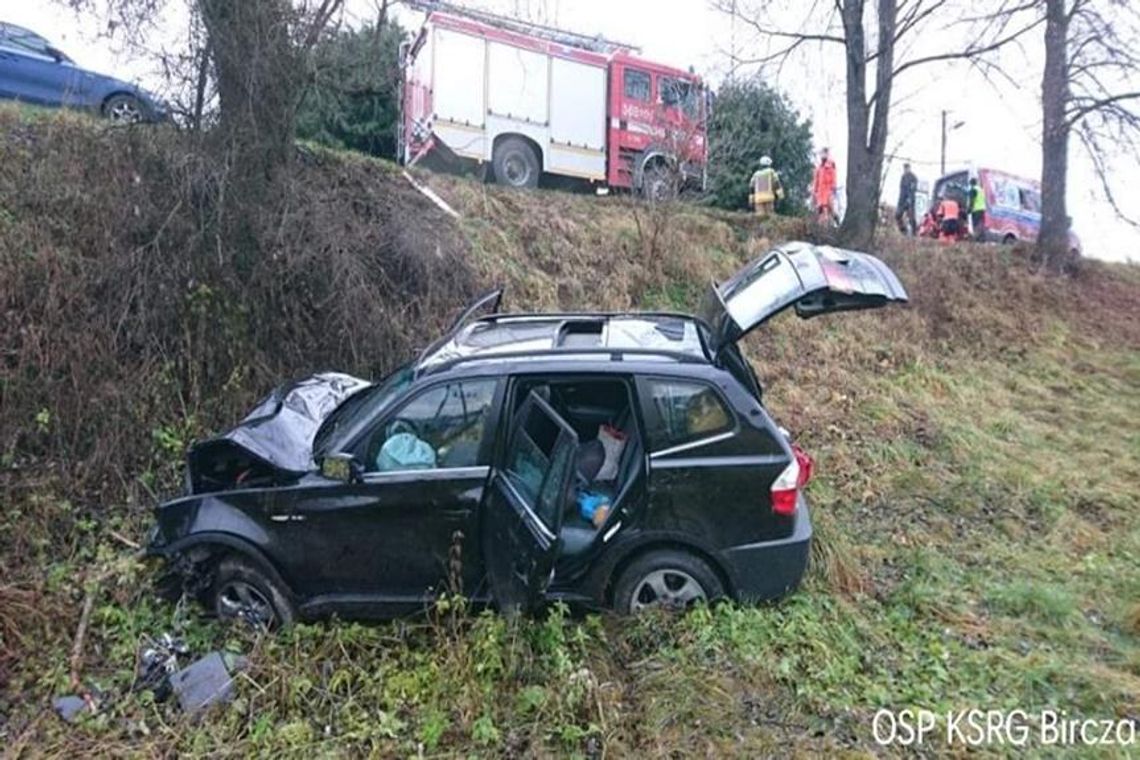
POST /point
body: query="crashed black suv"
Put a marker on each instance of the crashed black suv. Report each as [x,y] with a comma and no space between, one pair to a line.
[620,460]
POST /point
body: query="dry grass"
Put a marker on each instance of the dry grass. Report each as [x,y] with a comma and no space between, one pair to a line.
[975,498]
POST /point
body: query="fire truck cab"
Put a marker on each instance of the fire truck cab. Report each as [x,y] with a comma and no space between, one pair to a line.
[526,101]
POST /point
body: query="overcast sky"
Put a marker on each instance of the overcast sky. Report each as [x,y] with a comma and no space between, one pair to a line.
[999,130]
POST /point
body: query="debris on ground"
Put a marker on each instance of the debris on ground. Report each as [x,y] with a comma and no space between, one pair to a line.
[432,196]
[206,682]
[157,663]
[68,707]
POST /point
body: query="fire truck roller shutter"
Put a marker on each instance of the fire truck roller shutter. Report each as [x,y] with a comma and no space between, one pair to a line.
[577,119]
[458,93]
[519,82]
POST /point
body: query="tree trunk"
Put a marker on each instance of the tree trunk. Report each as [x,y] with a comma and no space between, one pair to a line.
[862,185]
[866,120]
[1053,240]
[203,78]
[259,83]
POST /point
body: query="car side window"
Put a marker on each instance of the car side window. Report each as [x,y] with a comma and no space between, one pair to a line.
[636,85]
[537,466]
[685,411]
[25,42]
[440,428]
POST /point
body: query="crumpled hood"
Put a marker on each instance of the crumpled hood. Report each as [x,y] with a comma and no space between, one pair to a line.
[280,429]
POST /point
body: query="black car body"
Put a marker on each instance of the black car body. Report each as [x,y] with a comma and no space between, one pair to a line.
[465,468]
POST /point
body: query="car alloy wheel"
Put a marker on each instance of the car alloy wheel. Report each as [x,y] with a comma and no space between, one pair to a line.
[124,111]
[668,589]
[239,600]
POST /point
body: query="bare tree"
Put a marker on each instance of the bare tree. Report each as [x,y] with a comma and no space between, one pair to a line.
[877,39]
[1090,86]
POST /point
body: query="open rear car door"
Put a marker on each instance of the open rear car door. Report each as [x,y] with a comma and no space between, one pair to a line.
[523,512]
[816,279]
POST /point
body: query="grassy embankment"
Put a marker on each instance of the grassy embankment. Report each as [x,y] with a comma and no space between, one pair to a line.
[978,462]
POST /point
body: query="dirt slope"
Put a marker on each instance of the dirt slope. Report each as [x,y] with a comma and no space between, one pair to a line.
[976,502]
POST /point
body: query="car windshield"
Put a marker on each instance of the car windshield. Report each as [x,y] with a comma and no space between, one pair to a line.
[361,406]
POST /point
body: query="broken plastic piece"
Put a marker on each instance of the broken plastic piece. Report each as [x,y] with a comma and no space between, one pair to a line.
[205,682]
[69,707]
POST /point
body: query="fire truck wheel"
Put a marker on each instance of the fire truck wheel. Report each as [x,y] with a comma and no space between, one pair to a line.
[657,185]
[515,163]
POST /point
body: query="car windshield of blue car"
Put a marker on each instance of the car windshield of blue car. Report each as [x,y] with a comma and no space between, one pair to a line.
[362,406]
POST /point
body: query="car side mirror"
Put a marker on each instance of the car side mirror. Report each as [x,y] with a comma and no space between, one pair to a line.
[342,467]
[58,55]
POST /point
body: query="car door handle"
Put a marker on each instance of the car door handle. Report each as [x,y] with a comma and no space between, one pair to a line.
[456,514]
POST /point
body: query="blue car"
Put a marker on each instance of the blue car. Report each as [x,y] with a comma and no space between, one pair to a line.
[33,71]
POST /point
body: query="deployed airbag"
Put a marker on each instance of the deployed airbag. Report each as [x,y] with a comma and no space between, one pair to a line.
[403,451]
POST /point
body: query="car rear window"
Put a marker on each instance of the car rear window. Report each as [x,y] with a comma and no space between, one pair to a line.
[685,411]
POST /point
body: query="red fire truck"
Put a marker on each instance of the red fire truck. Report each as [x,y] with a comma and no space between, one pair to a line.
[527,100]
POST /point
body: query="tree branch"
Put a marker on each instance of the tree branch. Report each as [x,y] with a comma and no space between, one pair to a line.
[1097,105]
[971,52]
[1096,153]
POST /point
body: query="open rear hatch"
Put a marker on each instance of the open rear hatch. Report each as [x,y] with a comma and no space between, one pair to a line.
[816,279]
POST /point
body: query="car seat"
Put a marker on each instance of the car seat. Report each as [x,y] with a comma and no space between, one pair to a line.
[590,458]
[578,534]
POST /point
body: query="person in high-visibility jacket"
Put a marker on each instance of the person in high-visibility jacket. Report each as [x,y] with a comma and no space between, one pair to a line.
[823,188]
[977,205]
[949,223]
[765,188]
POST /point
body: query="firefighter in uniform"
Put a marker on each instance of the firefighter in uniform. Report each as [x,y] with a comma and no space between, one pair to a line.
[766,188]
[977,206]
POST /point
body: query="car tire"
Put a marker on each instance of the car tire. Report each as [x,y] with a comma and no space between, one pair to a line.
[515,163]
[123,109]
[243,593]
[666,579]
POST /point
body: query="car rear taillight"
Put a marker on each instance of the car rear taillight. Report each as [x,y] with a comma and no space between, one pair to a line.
[794,477]
[807,465]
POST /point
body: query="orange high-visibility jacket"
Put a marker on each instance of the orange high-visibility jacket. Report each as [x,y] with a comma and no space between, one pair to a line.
[948,209]
[823,184]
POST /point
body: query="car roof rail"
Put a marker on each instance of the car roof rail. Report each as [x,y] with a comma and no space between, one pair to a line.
[614,354]
[585,315]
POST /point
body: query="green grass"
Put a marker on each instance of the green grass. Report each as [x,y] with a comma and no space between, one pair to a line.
[977,542]
[1000,566]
